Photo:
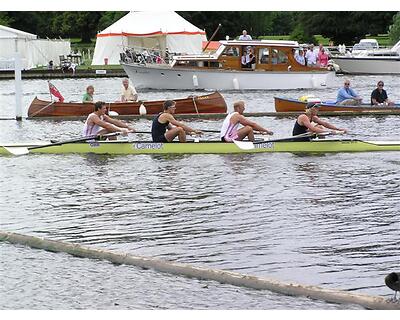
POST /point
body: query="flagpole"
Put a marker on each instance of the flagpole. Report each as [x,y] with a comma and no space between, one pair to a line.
[18,86]
[51,96]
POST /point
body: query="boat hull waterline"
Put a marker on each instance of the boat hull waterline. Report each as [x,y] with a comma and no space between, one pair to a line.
[210,103]
[143,147]
[292,105]
[165,77]
[368,65]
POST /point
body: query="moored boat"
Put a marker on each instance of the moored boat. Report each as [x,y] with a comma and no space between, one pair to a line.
[294,105]
[272,66]
[209,103]
[368,64]
[210,147]
[370,61]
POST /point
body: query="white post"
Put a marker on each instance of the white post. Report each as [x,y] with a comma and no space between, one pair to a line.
[18,87]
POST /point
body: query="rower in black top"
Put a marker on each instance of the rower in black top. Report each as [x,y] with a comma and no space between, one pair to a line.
[165,128]
[158,130]
[379,96]
[304,123]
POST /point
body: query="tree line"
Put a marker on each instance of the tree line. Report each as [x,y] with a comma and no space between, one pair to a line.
[340,27]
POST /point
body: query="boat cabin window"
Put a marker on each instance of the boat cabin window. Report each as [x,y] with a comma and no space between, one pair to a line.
[263,56]
[183,63]
[231,52]
[279,57]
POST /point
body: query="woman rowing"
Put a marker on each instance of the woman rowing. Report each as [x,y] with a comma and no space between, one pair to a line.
[304,123]
[98,122]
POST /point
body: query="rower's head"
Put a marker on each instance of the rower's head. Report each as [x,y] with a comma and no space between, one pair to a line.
[169,106]
[90,89]
[100,107]
[238,106]
[125,83]
[312,108]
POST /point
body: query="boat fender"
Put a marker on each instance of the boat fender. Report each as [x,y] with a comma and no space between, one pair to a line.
[142,110]
[113,113]
[195,81]
[309,98]
[235,83]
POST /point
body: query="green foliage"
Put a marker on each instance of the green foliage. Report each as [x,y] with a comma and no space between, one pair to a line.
[394,29]
[345,26]
[341,27]
[108,18]
[302,36]
[5,20]
[257,23]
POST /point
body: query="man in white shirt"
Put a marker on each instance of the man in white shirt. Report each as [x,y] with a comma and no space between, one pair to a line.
[128,92]
[311,56]
[245,36]
[300,57]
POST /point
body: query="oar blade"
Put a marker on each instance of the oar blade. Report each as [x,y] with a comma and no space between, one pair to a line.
[17,151]
[244,145]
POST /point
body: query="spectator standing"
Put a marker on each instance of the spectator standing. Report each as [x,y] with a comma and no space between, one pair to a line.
[322,58]
[311,56]
[245,36]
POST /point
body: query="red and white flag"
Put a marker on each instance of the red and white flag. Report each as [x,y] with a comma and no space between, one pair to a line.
[54,91]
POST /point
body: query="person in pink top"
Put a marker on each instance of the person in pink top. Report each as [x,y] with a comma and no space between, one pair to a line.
[322,58]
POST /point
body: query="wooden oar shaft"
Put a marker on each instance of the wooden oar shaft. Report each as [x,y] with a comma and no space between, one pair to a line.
[96,136]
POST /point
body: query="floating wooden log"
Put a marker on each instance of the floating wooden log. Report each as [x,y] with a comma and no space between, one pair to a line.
[222,276]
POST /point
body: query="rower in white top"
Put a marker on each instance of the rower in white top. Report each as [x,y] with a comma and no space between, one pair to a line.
[230,127]
[99,123]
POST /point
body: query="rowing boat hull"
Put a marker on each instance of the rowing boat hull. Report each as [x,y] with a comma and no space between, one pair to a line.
[125,147]
[210,103]
[291,105]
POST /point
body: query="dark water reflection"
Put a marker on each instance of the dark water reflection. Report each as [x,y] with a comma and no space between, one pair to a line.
[329,220]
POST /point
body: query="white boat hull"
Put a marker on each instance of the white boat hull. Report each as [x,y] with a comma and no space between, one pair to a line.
[165,77]
[368,65]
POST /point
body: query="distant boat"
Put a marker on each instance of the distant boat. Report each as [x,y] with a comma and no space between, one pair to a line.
[373,61]
[209,103]
[293,105]
[274,67]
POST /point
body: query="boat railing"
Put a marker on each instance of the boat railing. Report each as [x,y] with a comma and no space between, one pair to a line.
[143,55]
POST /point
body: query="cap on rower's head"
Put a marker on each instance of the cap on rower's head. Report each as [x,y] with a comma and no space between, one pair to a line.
[312,105]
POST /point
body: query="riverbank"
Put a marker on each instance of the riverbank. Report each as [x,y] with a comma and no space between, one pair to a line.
[80,72]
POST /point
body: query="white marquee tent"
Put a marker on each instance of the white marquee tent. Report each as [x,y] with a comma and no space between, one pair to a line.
[150,30]
[34,52]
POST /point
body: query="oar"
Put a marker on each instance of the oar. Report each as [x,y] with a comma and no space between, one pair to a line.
[248,145]
[18,151]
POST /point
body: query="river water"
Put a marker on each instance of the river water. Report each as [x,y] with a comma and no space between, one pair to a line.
[327,220]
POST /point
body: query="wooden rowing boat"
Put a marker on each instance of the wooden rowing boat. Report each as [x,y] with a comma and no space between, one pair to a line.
[210,147]
[292,105]
[210,103]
